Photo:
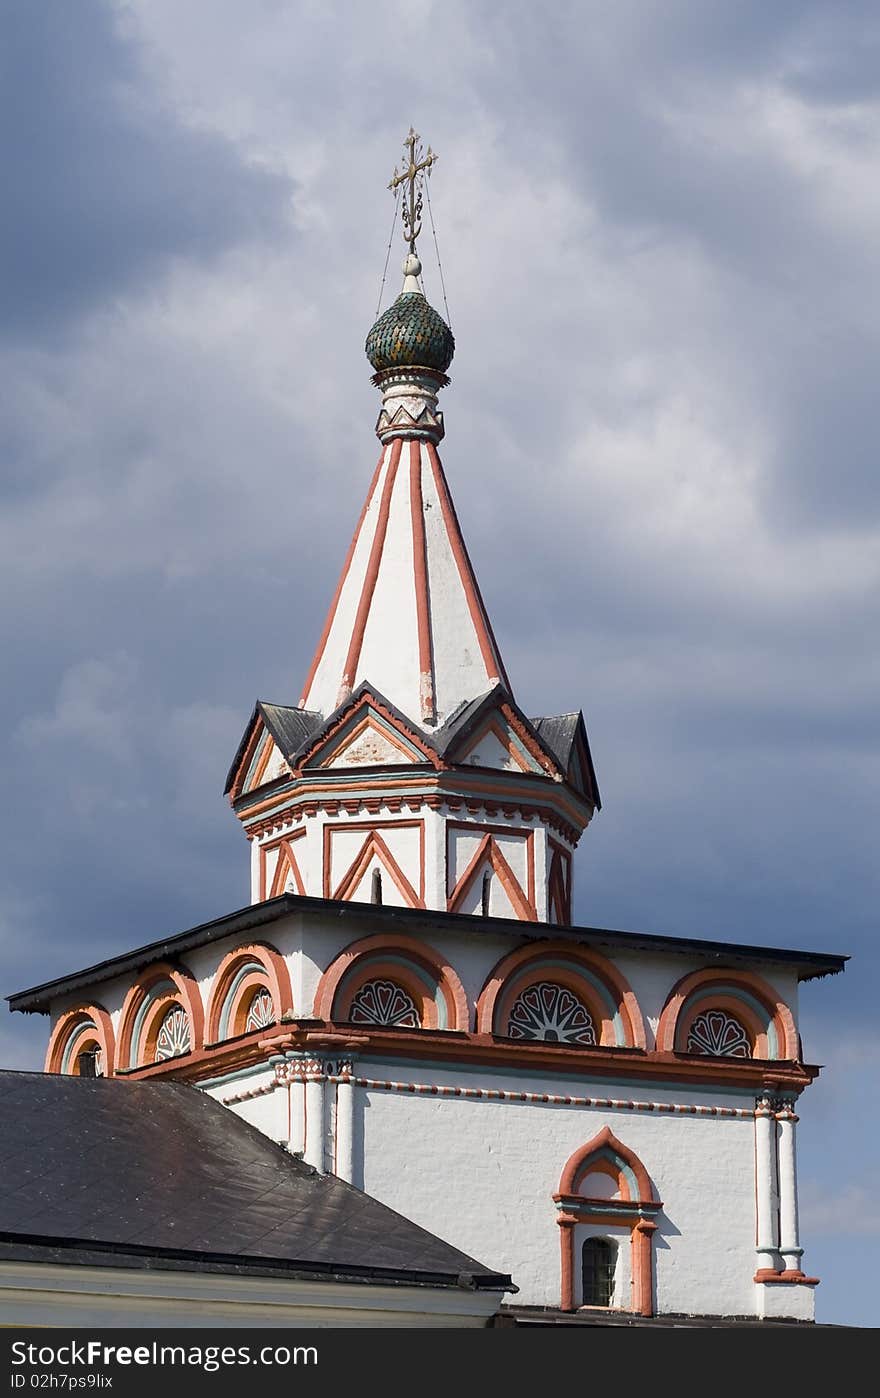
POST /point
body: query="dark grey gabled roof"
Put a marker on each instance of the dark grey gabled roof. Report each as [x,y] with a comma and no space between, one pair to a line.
[461,724]
[462,720]
[289,727]
[559,734]
[132,1173]
[365,690]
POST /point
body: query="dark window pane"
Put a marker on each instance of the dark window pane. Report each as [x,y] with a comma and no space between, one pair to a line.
[597,1261]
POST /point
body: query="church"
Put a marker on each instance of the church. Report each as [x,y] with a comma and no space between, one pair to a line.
[606,1119]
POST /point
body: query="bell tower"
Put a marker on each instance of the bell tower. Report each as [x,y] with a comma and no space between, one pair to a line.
[407,773]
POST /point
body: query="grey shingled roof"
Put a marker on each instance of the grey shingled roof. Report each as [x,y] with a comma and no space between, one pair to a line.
[558,734]
[290,727]
[143,1171]
[364,689]
[296,730]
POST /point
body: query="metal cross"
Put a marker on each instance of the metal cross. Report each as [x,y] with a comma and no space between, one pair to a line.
[412,173]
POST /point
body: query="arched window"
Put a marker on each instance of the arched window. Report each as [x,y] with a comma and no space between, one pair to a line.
[260,1011]
[347,989]
[384,1003]
[556,992]
[82,1041]
[725,1012]
[718,1035]
[174,1037]
[148,1012]
[551,1012]
[598,1263]
[376,894]
[605,1189]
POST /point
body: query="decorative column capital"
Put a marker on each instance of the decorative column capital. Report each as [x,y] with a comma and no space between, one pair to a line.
[765,1106]
[566,1220]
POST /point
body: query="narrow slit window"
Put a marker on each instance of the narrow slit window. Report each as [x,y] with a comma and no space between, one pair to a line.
[376,894]
[487,890]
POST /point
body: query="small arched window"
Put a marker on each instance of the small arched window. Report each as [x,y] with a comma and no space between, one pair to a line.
[551,1012]
[376,894]
[486,894]
[718,1035]
[174,1037]
[385,1004]
[598,1263]
[261,1012]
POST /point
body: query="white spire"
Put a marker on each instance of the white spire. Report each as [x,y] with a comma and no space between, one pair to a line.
[407,616]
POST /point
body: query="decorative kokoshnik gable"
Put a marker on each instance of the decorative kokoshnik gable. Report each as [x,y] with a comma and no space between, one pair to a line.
[405,1004]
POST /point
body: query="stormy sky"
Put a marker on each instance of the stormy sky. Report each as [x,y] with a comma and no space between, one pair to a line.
[660,232]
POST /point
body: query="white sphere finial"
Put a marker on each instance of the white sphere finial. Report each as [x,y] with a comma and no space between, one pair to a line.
[411,270]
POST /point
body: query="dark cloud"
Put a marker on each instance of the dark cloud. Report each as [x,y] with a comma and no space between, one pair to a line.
[827,463]
[104,183]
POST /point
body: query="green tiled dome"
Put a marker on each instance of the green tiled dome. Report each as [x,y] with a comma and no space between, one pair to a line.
[410,332]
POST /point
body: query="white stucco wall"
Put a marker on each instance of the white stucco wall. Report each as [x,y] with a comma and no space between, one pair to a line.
[482,1174]
[450,841]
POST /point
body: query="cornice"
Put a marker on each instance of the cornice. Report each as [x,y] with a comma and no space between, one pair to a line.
[448,1047]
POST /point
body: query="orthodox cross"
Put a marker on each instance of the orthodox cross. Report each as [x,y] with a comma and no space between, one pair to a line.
[412,174]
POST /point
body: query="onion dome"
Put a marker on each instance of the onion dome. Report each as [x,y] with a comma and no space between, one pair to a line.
[410,334]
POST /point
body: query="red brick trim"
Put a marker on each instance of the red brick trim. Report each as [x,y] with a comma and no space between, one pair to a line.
[187,992]
[69,1024]
[370,949]
[578,1165]
[669,1027]
[488,851]
[370,577]
[490,1000]
[368,701]
[277,982]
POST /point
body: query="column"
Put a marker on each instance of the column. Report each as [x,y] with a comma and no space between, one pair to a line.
[642,1268]
[256,862]
[435,858]
[789,1246]
[296,1104]
[767,1238]
[345,1120]
[542,852]
[566,1240]
[314,1113]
